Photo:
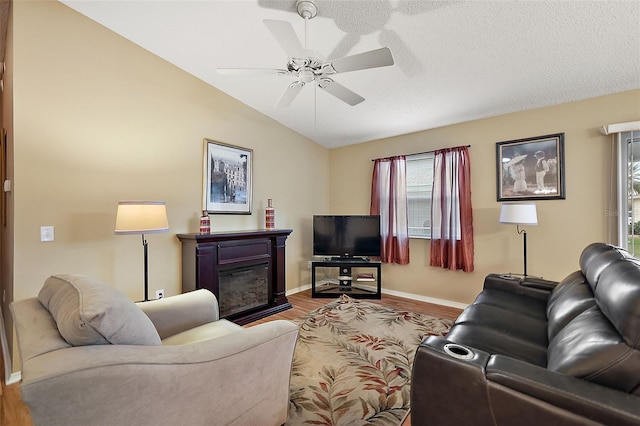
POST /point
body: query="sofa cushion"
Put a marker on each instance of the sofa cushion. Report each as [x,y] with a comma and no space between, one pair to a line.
[203,332]
[89,312]
[590,347]
[508,322]
[525,305]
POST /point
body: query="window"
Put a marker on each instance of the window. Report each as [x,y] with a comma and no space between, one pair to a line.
[629,222]
[419,186]
[623,207]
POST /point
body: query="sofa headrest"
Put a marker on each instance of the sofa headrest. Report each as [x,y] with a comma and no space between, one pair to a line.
[600,341]
[596,257]
[618,296]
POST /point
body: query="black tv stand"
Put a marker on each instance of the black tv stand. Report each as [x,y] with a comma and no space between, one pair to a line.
[352,276]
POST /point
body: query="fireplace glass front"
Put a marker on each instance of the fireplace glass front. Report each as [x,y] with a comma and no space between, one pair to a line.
[243,289]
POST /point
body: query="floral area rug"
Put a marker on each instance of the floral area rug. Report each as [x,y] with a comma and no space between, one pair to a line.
[352,363]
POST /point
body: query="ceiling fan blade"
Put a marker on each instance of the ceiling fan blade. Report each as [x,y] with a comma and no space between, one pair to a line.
[341,92]
[289,94]
[372,59]
[250,71]
[283,32]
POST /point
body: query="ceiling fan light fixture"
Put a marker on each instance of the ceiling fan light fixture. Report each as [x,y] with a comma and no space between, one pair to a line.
[307,8]
[306,76]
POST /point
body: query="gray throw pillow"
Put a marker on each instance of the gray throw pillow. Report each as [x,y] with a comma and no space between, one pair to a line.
[90,312]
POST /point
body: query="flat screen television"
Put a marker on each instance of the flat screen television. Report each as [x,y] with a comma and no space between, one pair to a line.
[346,236]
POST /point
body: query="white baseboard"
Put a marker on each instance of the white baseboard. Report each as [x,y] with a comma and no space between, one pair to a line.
[411,296]
[420,298]
[298,289]
[14,378]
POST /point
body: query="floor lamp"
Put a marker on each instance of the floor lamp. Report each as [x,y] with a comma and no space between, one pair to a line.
[142,217]
[519,214]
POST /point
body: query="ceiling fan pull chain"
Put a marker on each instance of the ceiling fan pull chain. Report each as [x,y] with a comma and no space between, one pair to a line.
[306,22]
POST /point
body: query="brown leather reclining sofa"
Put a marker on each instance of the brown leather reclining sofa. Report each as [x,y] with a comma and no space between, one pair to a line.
[535,352]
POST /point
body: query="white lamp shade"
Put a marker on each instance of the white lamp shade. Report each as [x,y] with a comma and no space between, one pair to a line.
[141,217]
[519,214]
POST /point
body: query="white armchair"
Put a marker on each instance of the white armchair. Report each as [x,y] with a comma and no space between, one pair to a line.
[92,357]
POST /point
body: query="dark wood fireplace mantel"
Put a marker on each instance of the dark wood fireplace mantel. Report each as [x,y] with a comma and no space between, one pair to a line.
[208,258]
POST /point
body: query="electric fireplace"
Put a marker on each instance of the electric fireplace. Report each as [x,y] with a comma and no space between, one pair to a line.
[244,269]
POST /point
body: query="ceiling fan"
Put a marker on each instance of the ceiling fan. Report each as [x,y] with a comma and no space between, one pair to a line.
[309,67]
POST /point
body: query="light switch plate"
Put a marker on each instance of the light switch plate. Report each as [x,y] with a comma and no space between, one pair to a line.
[46,233]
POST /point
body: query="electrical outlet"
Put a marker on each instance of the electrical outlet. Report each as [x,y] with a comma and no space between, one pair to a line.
[159,294]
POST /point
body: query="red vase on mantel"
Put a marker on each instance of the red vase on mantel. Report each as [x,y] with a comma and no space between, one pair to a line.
[205,223]
[270,216]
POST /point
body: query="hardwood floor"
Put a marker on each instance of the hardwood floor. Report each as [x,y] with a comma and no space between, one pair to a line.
[13,412]
[303,304]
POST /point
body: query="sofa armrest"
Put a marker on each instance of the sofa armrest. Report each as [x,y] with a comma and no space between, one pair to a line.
[598,403]
[539,283]
[499,390]
[175,314]
[526,286]
[446,390]
[36,330]
[197,383]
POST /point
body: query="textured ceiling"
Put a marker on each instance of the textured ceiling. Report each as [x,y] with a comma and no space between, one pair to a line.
[455,61]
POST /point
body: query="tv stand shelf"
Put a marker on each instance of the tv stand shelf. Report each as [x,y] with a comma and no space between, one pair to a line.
[356,278]
[348,259]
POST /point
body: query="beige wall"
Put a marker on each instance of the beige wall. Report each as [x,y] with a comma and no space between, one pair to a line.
[97,120]
[565,226]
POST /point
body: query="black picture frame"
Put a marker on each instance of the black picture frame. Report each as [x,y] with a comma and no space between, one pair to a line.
[531,168]
[227,175]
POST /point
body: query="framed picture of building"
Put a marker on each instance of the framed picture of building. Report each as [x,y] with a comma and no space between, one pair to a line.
[531,168]
[227,178]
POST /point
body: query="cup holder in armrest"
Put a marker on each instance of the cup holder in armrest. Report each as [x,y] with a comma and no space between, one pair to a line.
[458,351]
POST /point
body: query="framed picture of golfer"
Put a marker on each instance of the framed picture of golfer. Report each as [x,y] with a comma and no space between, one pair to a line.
[531,168]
